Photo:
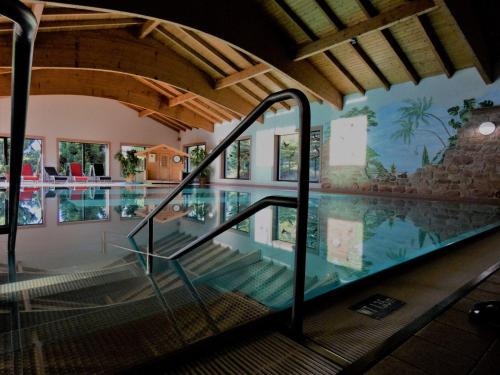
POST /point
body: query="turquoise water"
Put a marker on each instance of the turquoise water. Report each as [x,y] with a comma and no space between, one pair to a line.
[349,237]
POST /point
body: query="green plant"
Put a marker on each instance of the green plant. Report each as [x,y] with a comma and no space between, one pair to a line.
[197,156]
[128,162]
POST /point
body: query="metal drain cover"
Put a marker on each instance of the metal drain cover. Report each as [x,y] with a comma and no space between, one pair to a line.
[377,306]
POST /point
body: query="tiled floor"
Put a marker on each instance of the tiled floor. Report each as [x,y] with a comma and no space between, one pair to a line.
[450,344]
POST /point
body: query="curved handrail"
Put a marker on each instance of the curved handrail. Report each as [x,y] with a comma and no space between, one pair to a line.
[304,111]
[22,57]
[236,219]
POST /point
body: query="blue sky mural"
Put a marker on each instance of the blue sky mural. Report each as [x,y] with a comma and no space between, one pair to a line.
[436,95]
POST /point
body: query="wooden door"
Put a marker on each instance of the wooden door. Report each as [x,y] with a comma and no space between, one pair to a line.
[165,167]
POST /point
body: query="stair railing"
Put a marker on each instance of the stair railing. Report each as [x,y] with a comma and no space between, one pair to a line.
[301,202]
[22,57]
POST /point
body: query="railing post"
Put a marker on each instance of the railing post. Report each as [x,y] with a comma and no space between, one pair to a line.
[22,56]
[297,320]
[150,246]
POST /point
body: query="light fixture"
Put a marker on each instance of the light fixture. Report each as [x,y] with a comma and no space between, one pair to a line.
[487,128]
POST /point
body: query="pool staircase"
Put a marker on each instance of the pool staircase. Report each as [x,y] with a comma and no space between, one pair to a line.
[118,317]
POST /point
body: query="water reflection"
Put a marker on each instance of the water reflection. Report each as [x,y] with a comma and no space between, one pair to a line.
[198,205]
[131,200]
[82,204]
[232,202]
[30,207]
[348,237]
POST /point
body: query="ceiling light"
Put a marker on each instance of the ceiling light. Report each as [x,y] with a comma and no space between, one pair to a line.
[487,128]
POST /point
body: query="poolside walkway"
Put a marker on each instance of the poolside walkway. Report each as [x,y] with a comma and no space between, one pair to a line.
[450,344]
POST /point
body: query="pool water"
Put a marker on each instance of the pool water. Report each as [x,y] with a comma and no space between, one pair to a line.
[348,237]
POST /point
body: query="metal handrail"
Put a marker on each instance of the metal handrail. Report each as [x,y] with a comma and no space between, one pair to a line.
[22,57]
[221,147]
[301,202]
[236,219]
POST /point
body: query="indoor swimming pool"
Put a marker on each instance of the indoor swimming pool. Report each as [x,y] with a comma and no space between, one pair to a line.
[81,284]
[348,237]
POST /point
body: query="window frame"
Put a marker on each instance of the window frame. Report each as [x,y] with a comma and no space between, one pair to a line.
[238,169]
[187,162]
[278,155]
[85,141]
[135,145]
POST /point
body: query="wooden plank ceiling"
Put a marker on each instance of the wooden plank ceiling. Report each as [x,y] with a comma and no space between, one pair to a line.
[187,79]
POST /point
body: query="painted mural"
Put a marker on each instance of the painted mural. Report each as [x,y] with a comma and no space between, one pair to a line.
[409,138]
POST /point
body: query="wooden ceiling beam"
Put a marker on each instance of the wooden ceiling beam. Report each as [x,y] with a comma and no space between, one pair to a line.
[464,15]
[370,11]
[329,56]
[97,24]
[180,124]
[214,109]
[435,45]
[146,58]
[146,112]
[120,87]
[196,107]
[247,28]
[166,95]
[148,27]
[182,98]
[377,23]
[166,122]
[335,20]
[221,110]
[223,65]
[242,75]
[370,63]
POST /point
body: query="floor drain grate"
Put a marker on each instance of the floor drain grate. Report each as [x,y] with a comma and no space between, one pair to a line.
[377,306]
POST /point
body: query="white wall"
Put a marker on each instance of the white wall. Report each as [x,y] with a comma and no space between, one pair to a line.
[262,168]
[87,118]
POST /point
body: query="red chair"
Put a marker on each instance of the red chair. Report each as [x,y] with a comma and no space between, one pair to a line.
[76,173]
[27,173]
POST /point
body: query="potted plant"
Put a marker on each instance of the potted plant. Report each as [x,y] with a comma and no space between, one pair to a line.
[129,164]
[197,156]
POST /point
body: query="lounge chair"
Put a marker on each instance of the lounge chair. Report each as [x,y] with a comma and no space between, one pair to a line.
[76,173]
[53,176]
[99,174]
[27,173]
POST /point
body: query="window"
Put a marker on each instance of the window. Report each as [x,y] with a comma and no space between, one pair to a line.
[142,163]
[285,226]
[32,154]
[237,160]
[189,149]
[288,157]
[84,153]
[232,203]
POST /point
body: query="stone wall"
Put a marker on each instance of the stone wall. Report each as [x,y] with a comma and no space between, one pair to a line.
[470,170]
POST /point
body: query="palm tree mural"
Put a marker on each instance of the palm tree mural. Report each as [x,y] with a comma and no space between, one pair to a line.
[416,117]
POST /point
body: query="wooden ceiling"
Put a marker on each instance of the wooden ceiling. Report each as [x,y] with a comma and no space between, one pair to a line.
[229,56]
